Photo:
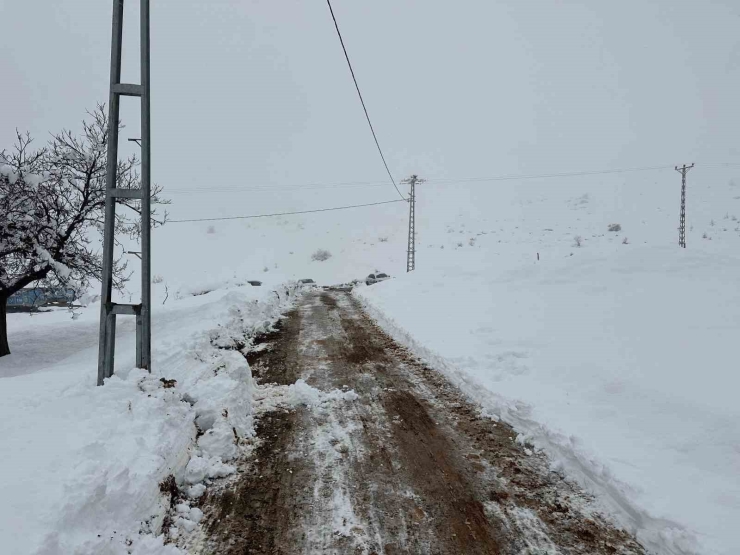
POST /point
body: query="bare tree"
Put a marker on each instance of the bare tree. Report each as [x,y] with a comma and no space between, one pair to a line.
[52,201]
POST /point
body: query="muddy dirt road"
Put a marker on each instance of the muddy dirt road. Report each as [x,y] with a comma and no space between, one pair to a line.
[409,466]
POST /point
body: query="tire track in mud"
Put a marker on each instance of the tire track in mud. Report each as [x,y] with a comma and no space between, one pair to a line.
[409,467]
[258,512]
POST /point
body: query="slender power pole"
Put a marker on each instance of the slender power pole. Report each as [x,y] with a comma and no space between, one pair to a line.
[108,309]
[682,217]
[411,250]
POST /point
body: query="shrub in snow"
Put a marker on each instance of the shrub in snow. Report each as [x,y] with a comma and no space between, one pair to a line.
[383,239]
[321,255]
[157,279]
[615,227]
[577,241]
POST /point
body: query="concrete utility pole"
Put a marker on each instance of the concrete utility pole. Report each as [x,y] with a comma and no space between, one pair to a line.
[108,309]
[682,218]
[411,252]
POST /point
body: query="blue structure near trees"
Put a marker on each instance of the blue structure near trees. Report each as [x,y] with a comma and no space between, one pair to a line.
[40,296]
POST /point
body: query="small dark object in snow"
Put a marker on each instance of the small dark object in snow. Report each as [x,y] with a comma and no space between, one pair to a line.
[254,283]
[321,255]
[167,384]
[169,485]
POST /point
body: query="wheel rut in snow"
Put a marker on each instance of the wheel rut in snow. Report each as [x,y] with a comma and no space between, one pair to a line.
[410,466]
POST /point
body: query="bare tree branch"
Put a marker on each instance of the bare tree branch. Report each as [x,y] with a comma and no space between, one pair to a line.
[53,197]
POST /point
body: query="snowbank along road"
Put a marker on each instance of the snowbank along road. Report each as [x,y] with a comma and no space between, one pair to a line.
[402,465]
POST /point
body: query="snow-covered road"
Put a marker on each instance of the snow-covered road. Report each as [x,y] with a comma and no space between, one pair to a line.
[388,457]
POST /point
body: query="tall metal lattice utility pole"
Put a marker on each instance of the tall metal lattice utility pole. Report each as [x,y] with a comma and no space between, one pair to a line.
[108,309]
[682,218]
[411,252]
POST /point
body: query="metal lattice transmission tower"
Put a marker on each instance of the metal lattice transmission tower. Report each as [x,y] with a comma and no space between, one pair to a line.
[682,218]
[411,251]
[108,309]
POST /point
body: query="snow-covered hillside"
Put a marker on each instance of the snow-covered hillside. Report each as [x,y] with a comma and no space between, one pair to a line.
[360,240]
[618,353]
[513,220]
[615,356]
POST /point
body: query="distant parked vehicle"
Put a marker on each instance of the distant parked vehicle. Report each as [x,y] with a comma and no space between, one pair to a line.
[32,298]
[309,282]
[254,283]
[375,278]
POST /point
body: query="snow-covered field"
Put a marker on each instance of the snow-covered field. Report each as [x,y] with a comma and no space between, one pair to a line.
[618,353]
[81,465]
[618,359]
[615,356]
[619,366]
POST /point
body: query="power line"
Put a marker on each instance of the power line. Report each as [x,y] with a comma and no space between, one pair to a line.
[285,186]
[545,175]
[565,174]
[285,213]
[716,164]
[277,188]
[440,181]
[367,116]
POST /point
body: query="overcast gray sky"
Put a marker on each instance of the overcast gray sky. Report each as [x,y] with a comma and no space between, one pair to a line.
[257,92]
